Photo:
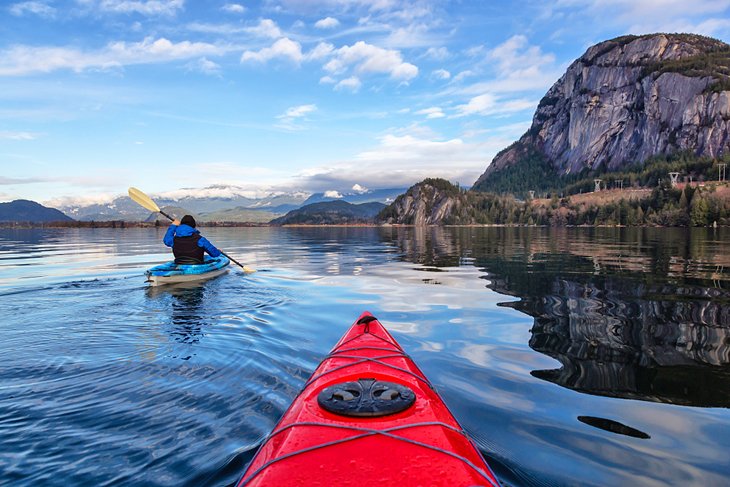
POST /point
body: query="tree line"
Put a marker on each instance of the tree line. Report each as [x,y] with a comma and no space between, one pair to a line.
[665,206]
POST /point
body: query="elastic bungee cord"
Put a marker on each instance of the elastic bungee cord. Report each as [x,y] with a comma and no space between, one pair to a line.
[368,432]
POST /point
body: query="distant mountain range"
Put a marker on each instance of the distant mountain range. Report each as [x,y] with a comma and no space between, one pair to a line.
[223,203]
[331,213]
[385,196]
[195,201]
[30,211]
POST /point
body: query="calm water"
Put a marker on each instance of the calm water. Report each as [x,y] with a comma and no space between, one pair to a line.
[573,357]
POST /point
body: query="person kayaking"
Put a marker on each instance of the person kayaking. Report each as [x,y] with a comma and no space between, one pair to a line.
[188,246]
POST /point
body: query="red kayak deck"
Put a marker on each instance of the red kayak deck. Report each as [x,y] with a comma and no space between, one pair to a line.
[345,427]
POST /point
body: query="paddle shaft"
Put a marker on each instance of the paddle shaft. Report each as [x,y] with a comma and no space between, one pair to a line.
[229,257]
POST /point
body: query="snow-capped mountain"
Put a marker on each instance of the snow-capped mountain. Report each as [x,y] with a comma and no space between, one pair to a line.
[219,198]
[357,196]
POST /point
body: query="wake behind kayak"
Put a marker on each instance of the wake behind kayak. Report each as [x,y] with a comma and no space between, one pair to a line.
[368,416]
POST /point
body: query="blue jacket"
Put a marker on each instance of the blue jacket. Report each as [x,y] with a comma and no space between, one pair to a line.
[186,231]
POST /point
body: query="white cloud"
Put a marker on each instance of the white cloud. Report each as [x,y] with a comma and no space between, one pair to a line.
[352,83]
[516,58]
[217,190]
[517,67]
[715,27]
[710,27]
[433,112]
[361,58]
[511,131]
[289,120]
[205,66]
[233,8]
[630,10]
[489,104]
[475,51]
[481,104]
[649,16]
[332,194]
[221,29]
[21,60]
[241,178]
[41,9]
[367,58]
[14,181]
[298,111]
[149,7]
[359,189]
[306,6]
[152,50]
[283,48]
[411,35]
[327,23]
[9,135]
[321,51]
[266,28]
[84,200]
[438,53]
[402,160]
[463,75]
[409,148]
[441,74]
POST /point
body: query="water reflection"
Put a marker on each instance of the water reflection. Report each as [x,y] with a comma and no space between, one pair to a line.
[637,314]
[634,342]
[188,316]
[613,427]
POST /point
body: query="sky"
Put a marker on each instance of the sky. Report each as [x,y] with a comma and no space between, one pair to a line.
[287,95]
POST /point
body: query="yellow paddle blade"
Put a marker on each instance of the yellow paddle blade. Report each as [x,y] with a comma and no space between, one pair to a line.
[143,200]
[248,270]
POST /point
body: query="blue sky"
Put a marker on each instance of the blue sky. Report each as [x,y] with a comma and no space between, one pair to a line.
[284,95]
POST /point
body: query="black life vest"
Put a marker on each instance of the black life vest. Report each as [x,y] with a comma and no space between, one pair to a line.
[186,250]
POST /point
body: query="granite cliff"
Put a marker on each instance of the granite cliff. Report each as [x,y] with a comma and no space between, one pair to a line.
[430,202]
[624,101]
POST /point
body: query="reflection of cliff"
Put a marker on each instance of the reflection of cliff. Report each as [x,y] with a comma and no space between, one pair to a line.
[613,341]
[640,314]
[663,252]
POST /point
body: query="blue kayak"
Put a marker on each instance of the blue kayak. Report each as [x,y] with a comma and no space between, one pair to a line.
[170,272]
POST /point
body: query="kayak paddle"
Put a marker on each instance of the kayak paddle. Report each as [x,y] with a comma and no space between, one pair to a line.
[146,202]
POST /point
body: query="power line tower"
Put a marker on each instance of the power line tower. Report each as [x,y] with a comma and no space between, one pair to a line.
[721,172]
[675,177]
[598,184]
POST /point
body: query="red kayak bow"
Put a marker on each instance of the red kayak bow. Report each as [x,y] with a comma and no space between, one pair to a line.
[368,416]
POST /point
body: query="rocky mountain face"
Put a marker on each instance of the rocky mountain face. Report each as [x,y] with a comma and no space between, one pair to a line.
[430,202]
[628,99]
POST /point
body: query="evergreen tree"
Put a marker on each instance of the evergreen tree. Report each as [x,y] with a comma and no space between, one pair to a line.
[700,212]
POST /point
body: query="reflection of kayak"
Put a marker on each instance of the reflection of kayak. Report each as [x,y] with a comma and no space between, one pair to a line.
[170,272]
[368,416]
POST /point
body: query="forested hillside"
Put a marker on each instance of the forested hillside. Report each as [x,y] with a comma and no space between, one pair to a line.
[436,201]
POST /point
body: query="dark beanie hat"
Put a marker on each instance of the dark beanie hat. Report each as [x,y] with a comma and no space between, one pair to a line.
[188,220]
